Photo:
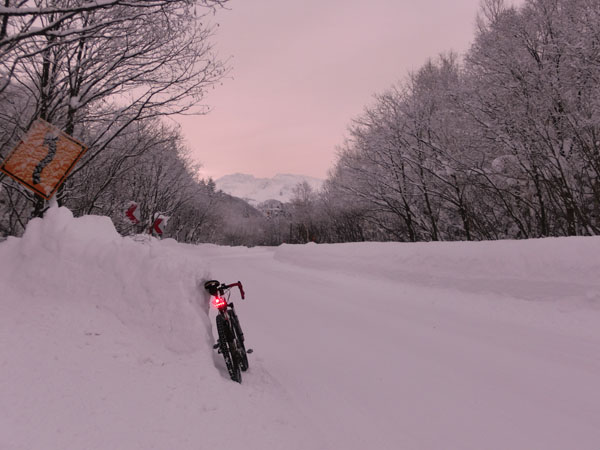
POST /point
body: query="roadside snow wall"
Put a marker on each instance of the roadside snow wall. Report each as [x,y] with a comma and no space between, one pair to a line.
[149,285]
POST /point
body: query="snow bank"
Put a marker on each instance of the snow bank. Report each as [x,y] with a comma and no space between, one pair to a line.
[106,343]
[527,269]
[147,284]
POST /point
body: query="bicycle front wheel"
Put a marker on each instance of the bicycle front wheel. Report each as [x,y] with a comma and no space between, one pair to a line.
[229,350]
[239,336]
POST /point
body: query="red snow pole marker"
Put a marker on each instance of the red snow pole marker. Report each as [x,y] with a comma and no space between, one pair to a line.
[133,213]
[159,225]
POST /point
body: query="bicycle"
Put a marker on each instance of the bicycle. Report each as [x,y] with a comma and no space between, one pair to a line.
[231,338]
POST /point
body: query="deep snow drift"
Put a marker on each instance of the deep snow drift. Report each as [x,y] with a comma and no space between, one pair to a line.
[106,343]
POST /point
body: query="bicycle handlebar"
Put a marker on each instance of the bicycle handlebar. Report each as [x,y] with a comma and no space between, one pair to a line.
[239,285]
[214,287]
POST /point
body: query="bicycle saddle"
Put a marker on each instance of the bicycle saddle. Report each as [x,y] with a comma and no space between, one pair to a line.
[212,286]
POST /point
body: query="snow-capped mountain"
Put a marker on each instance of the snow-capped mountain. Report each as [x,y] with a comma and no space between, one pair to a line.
[257,190]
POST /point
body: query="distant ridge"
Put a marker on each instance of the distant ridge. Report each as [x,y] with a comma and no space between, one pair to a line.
[257,190]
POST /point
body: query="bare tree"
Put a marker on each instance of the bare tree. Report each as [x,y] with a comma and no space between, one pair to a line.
[23,21]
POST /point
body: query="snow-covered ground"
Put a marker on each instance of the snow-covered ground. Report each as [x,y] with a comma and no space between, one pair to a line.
[106,343]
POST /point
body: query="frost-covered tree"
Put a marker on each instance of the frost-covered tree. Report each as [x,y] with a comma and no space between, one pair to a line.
[503,145]
[25,21]
[302,209]
[403,157]
[534,74]
[148,164]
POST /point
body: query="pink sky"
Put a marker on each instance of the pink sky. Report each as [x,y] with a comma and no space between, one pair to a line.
[302,70]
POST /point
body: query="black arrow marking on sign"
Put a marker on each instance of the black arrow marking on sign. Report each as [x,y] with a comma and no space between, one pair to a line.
[50,141]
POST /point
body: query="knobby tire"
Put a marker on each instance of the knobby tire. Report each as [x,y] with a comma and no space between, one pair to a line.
[229,350]
[239,336]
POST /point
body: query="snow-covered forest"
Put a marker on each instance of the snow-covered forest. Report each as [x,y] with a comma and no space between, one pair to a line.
[501,142]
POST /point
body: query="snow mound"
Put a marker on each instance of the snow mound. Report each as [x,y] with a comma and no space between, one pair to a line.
[146,283]
[530,269]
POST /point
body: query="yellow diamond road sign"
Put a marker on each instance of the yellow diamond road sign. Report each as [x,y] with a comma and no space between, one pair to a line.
[43,159]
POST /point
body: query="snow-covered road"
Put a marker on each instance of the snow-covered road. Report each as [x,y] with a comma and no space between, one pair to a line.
[385,364]
[105,344]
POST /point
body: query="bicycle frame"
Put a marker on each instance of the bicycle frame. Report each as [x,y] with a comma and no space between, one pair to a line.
[231,337]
